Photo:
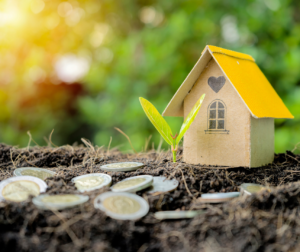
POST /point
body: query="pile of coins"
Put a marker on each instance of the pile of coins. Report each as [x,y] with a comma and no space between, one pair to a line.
[121,203]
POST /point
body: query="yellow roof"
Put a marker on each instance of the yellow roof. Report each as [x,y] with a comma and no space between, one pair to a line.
[246,77]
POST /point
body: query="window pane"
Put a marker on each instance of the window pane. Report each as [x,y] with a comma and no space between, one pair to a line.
[221,124]
[212,124]
[213,105]
[220,105]
[212,114]
[221,113]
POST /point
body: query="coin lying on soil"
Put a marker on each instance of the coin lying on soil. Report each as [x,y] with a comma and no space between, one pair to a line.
[92,181]
[165,215]
[162,184]
[133,184]
[122,205]
[124,166]
[19,188]
[35,172]
[249,188]
[59,201]
[218,197]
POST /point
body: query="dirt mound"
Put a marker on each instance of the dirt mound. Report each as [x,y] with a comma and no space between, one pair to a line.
[268,221]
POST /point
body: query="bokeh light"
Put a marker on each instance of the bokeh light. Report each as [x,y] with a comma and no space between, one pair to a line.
[78,67]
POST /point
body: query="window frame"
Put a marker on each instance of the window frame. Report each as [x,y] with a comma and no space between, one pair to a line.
[216,118]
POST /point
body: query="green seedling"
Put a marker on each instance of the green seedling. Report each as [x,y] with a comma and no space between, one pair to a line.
[163,127]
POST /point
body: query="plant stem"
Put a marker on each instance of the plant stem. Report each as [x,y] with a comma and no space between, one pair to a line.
[174,156]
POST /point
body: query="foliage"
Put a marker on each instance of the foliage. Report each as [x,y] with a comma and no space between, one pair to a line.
[131,49]
[163,127]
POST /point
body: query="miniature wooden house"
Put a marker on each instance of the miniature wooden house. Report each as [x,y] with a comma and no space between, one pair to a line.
[235,125]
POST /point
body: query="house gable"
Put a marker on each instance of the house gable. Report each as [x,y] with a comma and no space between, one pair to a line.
[221,131]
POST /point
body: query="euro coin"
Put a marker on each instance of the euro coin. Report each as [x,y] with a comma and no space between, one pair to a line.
[19,188]
[35,172]
[133,184]
[122,205]
[90,182]
[162,184]
[218,197]
[124,166]
[59,201]
[249,188]
[165,215]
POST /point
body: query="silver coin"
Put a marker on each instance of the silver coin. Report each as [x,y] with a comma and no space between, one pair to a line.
[20,188]
[164,215]
[249,188]
[35,172]
[124,166]
[59,201]
[133,184]
[92,181]
[218,197]
[122,205]
[162,184]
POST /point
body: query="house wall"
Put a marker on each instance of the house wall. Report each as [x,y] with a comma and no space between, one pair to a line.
[262,141]
[232,149]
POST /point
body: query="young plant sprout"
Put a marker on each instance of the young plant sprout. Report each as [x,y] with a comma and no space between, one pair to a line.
[163,127]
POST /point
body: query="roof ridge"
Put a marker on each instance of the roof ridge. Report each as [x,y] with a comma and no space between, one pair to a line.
[230,53]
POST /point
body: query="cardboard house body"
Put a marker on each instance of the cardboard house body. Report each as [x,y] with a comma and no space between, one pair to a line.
[235,125]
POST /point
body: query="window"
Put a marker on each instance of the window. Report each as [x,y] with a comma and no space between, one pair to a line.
[216,118]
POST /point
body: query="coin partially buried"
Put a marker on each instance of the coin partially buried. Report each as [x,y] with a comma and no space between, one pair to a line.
[133,184]
[59,201]
[90,182]
[35,172]
[162,184]
[218,197]
[19,188]
[165,215]
[249,188]
[122,205]
[125,166]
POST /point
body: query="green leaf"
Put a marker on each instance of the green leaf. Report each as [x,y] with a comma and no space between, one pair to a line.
[157,120]
[189,119]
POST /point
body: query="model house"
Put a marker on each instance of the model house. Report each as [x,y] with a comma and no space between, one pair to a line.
[235,125]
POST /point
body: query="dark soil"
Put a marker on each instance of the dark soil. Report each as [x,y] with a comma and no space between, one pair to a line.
[268,221]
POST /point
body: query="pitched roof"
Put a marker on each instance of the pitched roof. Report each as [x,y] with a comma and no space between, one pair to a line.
[247,79]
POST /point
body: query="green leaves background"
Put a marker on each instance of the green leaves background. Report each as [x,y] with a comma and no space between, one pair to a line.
[149,49]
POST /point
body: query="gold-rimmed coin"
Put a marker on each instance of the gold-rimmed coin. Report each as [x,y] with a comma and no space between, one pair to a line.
[40,173]
[133,184]
[92,181]
[162,184]
[122,205]
[124,166]
[59,201]
[218,197]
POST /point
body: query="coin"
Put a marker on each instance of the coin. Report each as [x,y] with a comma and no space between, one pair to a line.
[218,197]
[19,188]
[249,188]
[122,205]
[124,166]
[164,215]
[133,184]
[162,184]
[59,201]
[90,182]
[35,172]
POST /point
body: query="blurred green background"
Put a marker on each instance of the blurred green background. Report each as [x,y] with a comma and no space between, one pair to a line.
[78,67]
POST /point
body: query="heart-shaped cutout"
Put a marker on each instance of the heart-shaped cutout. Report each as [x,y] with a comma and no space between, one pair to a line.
[216,83]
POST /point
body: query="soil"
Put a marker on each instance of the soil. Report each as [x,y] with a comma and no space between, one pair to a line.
[266,221]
